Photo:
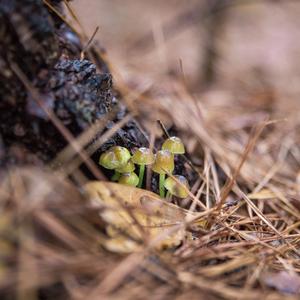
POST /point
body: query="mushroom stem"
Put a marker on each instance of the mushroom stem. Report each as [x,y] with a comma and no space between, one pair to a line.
[116,176]
[141,175]
[161,185]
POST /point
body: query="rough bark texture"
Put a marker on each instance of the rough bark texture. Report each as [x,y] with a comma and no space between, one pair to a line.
[47,52]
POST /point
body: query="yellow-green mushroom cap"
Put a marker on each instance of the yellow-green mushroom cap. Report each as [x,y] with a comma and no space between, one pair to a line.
[129,167]
[129,179]
[115,157]
[164,162]
[177,188]
[143,156]
[174,145]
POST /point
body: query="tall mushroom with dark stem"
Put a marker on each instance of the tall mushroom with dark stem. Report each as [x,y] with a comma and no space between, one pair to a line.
[142,157]
[164,163]
[177,186]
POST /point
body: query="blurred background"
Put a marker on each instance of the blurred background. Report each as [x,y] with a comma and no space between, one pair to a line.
[225,42]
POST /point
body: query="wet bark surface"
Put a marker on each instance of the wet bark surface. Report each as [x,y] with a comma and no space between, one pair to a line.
[36,42]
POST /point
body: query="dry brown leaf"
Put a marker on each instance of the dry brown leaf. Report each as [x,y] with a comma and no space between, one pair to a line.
[137,215]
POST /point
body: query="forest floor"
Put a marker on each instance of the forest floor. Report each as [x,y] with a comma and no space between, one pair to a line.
[237,234]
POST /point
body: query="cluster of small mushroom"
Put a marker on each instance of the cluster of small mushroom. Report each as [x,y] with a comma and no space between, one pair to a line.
[119,159]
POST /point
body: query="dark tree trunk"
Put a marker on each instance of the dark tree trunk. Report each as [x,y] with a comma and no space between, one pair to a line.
[46,51]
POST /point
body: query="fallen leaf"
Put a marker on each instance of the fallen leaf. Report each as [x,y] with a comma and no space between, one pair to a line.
[135,215]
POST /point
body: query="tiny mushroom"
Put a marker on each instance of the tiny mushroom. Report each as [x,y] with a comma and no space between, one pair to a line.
[129,179]
[174,145]
[142,157]
[115,158]
[129,167]
[164,163]
[178,187]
